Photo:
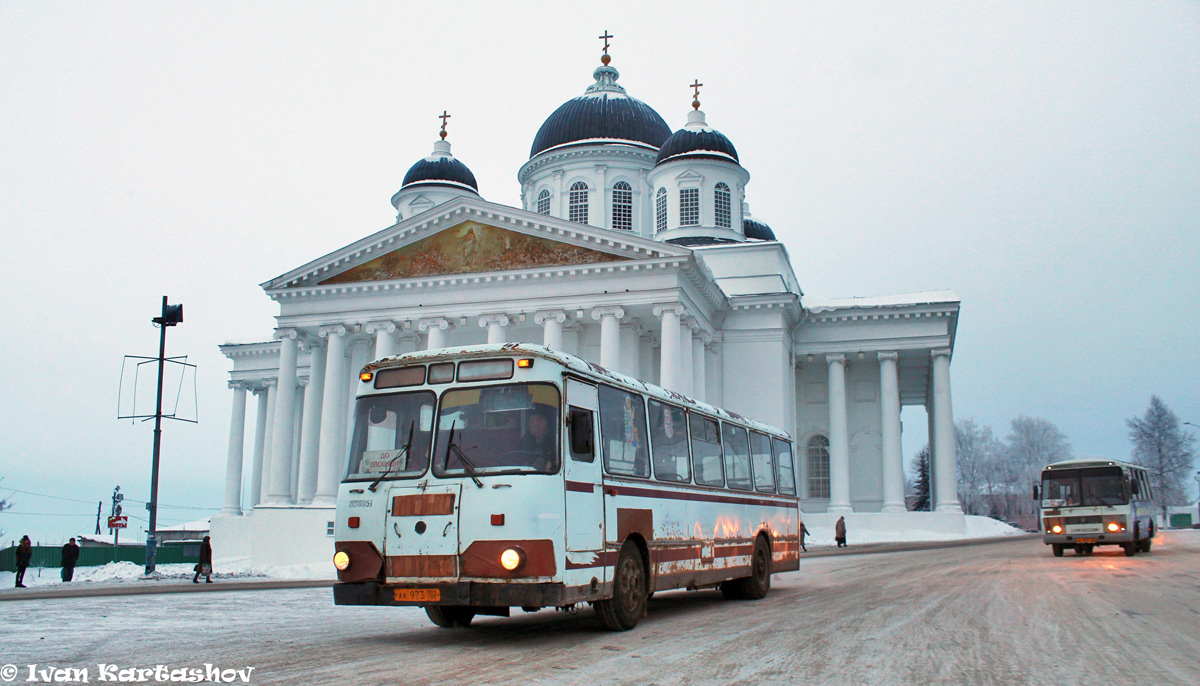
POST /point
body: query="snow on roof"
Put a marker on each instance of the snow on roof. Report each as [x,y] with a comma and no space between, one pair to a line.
[198,525]
[819,304]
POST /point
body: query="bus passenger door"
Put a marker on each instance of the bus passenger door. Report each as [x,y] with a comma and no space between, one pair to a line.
[585,497]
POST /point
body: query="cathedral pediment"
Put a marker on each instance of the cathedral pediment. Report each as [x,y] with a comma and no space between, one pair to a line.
[467,248]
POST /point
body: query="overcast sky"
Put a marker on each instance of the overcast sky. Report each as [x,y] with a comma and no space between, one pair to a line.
[1040,159]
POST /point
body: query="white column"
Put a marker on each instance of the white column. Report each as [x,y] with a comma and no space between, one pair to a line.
[610,336]
[285,420]
[264,476]
[631,348]
[839,442]
[497,325]
[551,322]
[669,371]
[699,380]
[685,357]
[436,329]
[237,441]
[385,339]
[333,399]
[297,433]
[946,471]
[260,440]
[893,461]
[310,437]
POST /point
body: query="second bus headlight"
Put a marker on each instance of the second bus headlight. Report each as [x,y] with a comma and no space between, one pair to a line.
[341,560]
[512,559]
[1056,529]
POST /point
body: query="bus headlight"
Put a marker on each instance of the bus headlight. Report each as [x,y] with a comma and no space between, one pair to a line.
[1115,526]
[1056,529]
[341,560]
[512,559]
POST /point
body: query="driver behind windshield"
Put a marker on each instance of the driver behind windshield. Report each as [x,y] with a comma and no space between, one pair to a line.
[538,440]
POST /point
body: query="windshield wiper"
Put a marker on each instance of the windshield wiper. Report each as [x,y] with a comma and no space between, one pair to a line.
[392,463]
[467,466]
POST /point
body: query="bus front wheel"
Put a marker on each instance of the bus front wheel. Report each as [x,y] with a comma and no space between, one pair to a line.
[628,602]
[1130,549]
[1144,546]
[1058,549]
[447,616]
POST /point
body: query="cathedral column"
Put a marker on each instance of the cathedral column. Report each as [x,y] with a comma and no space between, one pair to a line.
[631,348]
[610,335]
[497,325]
[945,469]
[260,440]
[436,329]
[310,435]
[699,373]
[839,442]
[333,399]
[237,441]
[385,338]
[297,429]
[893,461]
[551,322]
[685,357]
[285,420]
[264,474]
[669,367]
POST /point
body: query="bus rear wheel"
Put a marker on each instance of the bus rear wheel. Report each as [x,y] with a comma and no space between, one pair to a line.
[628,602]
[1130,549]
[758,583]
[1057,548]
[448,616]
[1144,546]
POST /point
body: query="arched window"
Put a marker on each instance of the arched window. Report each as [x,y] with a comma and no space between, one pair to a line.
[622,208]
[660,210]
[543,202]
[721,202]
[689,207]
[818,467]
[577,203]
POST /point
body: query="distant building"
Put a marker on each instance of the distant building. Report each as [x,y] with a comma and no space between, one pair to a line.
[632,246]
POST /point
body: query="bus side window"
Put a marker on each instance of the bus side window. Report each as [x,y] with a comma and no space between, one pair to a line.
[582,433]
[737,457]
[623,432]
[706,451]
[764,470]
[668,442]
[783,460]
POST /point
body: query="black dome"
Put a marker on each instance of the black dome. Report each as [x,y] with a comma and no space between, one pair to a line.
[697,142]
[440,170]
[603,113]
[757,230]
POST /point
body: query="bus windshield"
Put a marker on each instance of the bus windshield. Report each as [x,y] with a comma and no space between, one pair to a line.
[382,425]
[511,428]
[1089,487]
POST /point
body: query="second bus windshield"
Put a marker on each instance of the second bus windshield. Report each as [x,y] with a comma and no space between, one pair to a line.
[1092,487]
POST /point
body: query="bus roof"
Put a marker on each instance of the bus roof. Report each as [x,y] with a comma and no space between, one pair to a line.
[573,363]
[1076,464]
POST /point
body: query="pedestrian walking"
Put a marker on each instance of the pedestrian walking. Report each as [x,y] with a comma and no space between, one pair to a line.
[204,565]
[839,532]
[24,555]
[70,555]
[803,532]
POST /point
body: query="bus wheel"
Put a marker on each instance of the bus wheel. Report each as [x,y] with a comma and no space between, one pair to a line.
[1145,545]
[1057,548]
[1078,550]
[1130,549]
[447,616]
[758,583]
[628,604]
[1087,549]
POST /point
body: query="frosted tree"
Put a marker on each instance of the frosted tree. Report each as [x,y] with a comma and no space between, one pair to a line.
[1031,444]
[1166,451]
[976,448]
[920,467]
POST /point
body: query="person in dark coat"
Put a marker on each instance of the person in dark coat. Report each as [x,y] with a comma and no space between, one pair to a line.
[538,441]
[804,532]
[70,555]
[839,532]
[24,555]
[204,565]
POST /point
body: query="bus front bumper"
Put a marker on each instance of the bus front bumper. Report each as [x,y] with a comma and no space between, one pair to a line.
[457,593]
[1074,539]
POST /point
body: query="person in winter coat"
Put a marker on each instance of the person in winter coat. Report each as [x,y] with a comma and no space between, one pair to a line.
[24,555]
[204,565]
[70,555]
[839,532]
[804,532]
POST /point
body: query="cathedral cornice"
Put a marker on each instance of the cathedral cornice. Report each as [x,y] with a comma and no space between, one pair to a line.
[578,150]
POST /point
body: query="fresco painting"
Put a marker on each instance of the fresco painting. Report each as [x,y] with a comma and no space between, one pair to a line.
[470,247]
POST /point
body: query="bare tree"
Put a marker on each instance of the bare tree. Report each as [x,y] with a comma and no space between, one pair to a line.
[977,449]
[1031,444]
[5,504]
[1167,452]
[920,466]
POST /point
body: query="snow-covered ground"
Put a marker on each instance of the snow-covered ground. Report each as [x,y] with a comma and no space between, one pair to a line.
[128,572]
[976,527]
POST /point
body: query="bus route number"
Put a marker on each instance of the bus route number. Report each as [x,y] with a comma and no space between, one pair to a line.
[418,595]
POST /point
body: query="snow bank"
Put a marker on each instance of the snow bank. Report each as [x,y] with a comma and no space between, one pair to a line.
[976,527]
[128,572]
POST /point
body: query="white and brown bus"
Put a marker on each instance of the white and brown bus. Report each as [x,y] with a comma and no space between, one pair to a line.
[488,477]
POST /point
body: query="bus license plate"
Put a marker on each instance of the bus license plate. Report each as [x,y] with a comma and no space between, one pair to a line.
[1085,540]
[418,595]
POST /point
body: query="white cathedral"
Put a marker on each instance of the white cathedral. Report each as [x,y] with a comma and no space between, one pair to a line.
[632,247]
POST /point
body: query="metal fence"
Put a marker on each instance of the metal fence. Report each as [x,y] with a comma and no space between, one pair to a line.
[49,556]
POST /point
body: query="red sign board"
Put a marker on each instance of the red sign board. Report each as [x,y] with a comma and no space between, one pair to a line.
[118,522]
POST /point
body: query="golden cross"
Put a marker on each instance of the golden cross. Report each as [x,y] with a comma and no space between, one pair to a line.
[443,116]
[696,84]
[605,37]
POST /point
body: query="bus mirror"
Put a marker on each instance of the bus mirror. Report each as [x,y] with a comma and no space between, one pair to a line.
[581,432]
[1035,492]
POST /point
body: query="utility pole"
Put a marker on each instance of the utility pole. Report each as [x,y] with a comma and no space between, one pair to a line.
[171,316]
[99,505]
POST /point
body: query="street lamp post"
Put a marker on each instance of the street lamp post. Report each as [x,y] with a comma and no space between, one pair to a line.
[171,316]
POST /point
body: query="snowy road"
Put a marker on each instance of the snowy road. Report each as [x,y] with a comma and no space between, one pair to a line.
[1004,613]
